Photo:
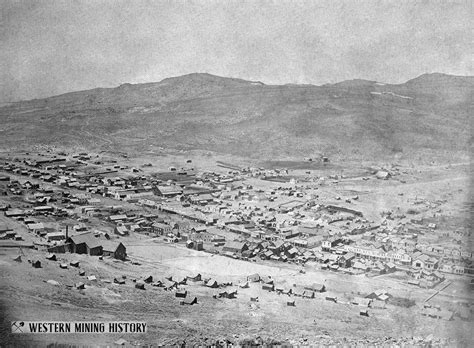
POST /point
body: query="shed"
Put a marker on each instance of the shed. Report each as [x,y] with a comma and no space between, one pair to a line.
[140,285]
[181,293]
[244,285]
[316,287]
[308,294]
[195,278]
[212,283]
[253,277]
[189,303]
[360,301]
[147,278]
[119,280]
[268,287]
[378,304]
[115,249]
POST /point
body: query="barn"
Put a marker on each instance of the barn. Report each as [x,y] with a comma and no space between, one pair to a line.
[114,249]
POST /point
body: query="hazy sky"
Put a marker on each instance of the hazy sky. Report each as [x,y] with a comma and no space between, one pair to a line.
[53,47]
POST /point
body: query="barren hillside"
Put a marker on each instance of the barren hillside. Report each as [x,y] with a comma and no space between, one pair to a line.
[423,118]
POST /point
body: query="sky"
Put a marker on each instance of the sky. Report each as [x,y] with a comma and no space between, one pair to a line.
[53,47]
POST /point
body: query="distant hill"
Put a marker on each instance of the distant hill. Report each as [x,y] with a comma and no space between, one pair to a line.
[359,119]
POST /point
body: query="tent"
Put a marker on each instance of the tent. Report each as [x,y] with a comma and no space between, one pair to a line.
[51,257]
[82,272]
[36,264]
[63,265]
[212,283]
[74,263]
[80,286]
[17,259]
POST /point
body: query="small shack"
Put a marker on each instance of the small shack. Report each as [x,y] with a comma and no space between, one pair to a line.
[147,278]
[181,293]
[268,287]
[253,278]
[189,303]
[140,285]
[119,281]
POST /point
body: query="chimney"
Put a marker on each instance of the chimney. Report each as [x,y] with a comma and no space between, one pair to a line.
[66,232]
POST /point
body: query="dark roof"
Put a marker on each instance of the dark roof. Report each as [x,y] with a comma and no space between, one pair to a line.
[234,245]
[109,245]
[87,238]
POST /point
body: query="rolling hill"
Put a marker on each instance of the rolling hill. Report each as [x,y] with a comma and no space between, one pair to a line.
[426,117]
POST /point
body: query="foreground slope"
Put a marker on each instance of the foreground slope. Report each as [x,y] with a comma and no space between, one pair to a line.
[425,117]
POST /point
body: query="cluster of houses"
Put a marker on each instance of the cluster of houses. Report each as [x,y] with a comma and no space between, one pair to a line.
[286,223]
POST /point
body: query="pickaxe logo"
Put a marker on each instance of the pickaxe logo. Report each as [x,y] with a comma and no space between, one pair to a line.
[17,326]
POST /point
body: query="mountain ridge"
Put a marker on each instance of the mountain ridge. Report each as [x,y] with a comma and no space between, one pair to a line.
[421,77]
[425,116]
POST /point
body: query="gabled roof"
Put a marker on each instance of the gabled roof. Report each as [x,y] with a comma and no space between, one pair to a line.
[109,245]
[234,245]
[169,189]
[88,238]
[160,225]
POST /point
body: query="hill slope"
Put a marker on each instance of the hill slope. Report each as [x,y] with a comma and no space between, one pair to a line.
[360,119]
